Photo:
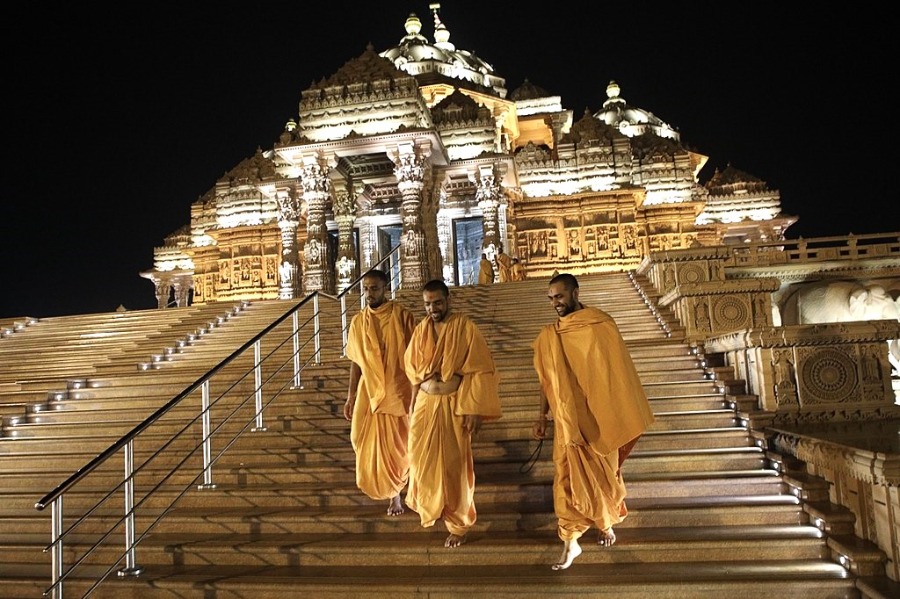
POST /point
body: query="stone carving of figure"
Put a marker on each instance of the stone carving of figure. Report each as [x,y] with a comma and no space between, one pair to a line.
[701,320]
[313,253]
[285,271]
[410,244]
[785,379]
[870,366]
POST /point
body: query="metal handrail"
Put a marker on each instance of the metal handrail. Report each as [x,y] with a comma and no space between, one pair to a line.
[286,374]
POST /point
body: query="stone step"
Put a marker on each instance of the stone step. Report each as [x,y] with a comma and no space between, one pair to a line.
[368,516]
[402,540]
[795,578]
[522,488]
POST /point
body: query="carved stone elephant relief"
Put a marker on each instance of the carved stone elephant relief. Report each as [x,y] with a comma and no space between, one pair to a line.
[839,301]
[844,301]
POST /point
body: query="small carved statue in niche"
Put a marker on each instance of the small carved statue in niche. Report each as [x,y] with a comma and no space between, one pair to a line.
[785,378]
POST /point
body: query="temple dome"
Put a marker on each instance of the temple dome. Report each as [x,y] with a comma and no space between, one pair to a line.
[424,60]
[631,120]
[528,91]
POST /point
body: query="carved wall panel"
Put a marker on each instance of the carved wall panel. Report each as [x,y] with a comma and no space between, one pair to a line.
[729,313]
[827,376]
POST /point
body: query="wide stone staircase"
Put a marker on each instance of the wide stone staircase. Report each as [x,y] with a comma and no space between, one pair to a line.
[712,512]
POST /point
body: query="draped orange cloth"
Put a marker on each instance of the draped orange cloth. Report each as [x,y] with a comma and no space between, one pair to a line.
[379,428]
[504,266]
[485,272]
[598,405]
[442,473]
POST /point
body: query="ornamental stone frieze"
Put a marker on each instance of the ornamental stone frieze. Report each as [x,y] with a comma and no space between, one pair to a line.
[691,265]
[815,373]
[713,307]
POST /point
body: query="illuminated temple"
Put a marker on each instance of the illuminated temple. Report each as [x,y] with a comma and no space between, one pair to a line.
[772,365]
[423,146]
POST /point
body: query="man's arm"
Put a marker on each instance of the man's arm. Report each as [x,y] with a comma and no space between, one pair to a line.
[539,431]
[355,374]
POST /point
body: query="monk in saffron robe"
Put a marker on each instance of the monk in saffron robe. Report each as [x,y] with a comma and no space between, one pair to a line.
[455,388]
[599,409]
[378,394]
[485,271]
[504,266]
[516,271]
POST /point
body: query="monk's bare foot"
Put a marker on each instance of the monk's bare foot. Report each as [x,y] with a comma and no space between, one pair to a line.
[396,506]
[571,550]
[606,538]
[454,540]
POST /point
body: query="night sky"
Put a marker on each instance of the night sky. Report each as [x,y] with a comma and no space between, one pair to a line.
[117,119]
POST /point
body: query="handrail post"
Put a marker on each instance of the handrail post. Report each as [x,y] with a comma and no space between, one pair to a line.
[395,281]
[56,553]
[131,568]
[257,381]
[317,329]
[344,331]
[295,324]
[207,449]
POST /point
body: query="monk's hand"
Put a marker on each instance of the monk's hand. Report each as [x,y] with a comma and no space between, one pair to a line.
[471,423]
[348,408]
[539,430]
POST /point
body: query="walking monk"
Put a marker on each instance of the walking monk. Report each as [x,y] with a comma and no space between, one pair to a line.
[590,386]
[455,387]
[378,395]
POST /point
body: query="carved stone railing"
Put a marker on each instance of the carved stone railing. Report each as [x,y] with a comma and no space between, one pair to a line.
[815,373]
[694,285]
[816,250]
[800,379]
[814,386]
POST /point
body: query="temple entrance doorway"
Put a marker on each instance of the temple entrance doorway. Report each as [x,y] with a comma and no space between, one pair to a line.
[468,236]
[388,239]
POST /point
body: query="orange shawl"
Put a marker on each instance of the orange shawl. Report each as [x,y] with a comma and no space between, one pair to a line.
[376,341]
[590,381]
[460,349]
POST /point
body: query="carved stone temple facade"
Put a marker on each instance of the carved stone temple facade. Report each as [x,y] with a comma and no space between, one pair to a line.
[422,146]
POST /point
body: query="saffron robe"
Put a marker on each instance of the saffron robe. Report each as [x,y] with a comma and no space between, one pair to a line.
[485,272]
[598,405]
[504,267]
[442,472]
[379,428]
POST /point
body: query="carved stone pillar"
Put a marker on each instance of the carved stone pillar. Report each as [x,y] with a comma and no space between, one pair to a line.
[410,171]
[288,221]
[163,289]
[345,215]
[316,189]
[182,285]
[487,193]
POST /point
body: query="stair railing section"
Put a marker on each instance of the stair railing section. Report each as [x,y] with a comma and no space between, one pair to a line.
[232,398]
[654,309]
[392,260]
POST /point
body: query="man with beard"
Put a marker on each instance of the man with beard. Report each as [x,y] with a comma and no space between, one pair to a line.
[378,396]
[591,389]
[455,387]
